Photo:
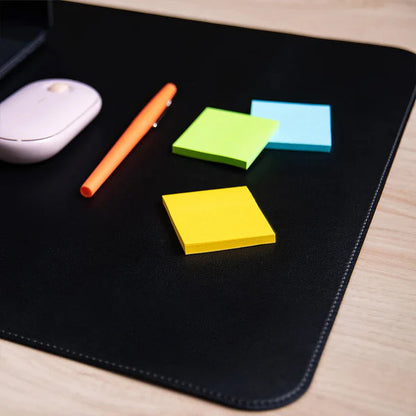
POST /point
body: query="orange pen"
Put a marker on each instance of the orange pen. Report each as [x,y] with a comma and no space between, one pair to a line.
[143,122]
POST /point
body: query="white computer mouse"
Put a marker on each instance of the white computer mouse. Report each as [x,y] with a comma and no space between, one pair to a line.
[41,118]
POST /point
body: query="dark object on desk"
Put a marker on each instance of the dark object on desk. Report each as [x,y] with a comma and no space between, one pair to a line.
[23,28]
[105,282]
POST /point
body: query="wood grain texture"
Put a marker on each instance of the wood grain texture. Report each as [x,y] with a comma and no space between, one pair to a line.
[369,363]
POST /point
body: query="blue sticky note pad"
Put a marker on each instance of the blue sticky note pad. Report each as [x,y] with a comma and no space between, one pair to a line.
[301,126]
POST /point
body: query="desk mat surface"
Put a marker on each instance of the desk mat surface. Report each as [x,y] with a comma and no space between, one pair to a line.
[104,281]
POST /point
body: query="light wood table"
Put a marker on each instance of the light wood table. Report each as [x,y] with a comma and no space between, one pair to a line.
[369,363]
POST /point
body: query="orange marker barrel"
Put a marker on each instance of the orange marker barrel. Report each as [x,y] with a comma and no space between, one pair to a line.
[129,139]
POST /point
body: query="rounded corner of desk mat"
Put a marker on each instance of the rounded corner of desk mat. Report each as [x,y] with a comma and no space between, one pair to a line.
[182,386]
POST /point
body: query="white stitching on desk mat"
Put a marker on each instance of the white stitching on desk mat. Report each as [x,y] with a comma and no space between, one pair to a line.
[319,345]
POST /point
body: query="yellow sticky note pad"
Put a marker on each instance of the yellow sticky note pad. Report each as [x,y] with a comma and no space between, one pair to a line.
[217,219]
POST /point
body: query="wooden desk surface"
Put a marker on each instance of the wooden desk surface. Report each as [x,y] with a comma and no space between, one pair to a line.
[369,363]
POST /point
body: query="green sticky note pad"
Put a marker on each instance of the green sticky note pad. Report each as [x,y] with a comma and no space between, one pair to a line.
[226,137]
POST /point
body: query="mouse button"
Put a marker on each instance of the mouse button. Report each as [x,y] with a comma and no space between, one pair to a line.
[16,112]
[62,109]
[33,113]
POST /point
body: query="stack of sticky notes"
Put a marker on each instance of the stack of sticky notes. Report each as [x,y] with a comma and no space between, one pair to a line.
[301,126]
[225,136]
[217,219]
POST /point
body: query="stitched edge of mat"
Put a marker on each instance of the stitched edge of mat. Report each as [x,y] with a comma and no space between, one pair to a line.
[250,404]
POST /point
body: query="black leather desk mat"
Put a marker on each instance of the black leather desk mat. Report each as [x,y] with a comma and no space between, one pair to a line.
[104,281]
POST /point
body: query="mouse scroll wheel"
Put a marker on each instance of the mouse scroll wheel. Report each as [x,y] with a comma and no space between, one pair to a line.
[58,87]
